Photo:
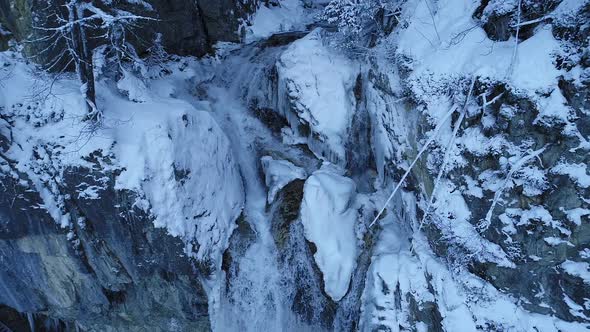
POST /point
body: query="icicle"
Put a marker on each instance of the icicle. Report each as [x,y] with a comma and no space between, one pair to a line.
[31,320]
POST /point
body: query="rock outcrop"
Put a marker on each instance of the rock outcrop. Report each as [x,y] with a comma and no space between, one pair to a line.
[113,271]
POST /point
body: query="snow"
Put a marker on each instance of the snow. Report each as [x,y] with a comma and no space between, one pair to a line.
[532,179]
[500,7]
[157,145]
[175,154]
[555,241]
[40,121]
[538,213]
[278,174]
[534,69]
[577,269]
[392,267]
[452,216]
[575,215]
[4,31]
[567,10]
[454,45]
[161,145]
[203,205]
[452,291]
[575,309]
[553,109]
[288,15]
[475,142]
[577,172]
[399,272]
[133,87]
[328,216]
[316,83]
[473,189]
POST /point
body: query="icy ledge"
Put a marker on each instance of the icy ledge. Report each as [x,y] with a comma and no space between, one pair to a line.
[279,173]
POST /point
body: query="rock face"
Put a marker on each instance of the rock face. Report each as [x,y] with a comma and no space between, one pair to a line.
[113,271]
[469,265]
[187,27]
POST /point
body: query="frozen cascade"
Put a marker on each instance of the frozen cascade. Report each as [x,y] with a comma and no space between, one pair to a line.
[258,299]
[278,289]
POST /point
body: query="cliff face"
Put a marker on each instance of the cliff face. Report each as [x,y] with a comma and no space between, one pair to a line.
[113,238]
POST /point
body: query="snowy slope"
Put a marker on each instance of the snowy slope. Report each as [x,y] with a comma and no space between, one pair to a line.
[157,145]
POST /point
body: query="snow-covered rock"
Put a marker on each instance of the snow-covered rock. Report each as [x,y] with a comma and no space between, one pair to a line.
[276,17]
[195,198]
[79,230]
[158,146]
[316,94]
[329,216]
[578,269]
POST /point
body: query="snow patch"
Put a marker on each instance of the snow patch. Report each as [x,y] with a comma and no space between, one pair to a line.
[133,87]
[575,215]
[271,18]
[577,269]
[576,172]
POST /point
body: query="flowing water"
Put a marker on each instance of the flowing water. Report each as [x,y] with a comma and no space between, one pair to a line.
[256,298]
[270,290]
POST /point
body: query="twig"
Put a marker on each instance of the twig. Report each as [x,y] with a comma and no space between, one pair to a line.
[432,18]
[534,154]
[513,60]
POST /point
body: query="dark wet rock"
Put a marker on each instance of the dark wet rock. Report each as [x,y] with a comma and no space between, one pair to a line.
[186,27]
[286,211]
[282,39]
[360,162]
[272,119]
[19,322]
[309,299]
[498,28]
